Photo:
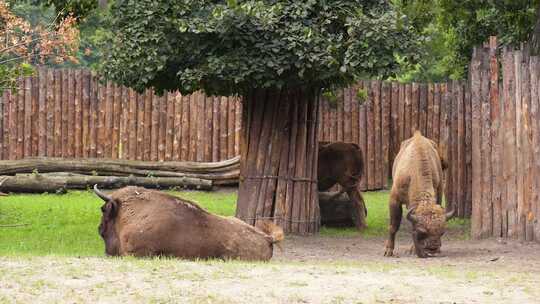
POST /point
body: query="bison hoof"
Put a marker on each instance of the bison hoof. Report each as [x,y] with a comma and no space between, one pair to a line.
[389,252]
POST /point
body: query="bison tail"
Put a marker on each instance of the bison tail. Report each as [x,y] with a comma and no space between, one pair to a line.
[274,231]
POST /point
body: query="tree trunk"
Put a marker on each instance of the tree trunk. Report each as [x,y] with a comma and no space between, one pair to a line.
[278,164]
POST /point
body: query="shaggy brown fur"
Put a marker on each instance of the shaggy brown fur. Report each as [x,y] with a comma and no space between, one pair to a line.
[417,184]
[342,163]
[431,217]
[142,222]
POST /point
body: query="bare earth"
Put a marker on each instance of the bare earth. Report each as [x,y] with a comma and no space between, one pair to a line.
[309,270]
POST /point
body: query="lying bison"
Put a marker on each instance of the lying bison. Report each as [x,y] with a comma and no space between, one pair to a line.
[417,184]
[141,222]
[342,163]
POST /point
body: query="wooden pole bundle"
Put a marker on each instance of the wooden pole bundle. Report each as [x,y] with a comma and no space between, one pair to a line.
[279,161]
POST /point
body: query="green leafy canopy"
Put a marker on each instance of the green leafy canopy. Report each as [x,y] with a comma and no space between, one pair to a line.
[232,47]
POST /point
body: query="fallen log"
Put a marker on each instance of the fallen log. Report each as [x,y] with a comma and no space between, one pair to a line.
[38,183]
[221,173]
[31,185]
[337,210]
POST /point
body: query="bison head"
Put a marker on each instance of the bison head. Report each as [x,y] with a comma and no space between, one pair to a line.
[429,225]
[106,227]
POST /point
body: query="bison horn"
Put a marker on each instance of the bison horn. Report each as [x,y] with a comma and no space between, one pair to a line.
[411,217]
[101,195]
[450,214]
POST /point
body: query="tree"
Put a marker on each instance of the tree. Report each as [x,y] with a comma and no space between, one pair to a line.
[473,21]
[277,55]
[24,44]
[77,8]
[453,28]
[535,35]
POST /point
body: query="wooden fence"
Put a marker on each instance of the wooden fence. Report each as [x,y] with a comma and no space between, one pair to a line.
[489,130]
[390,114]
[67,113]
[506,144]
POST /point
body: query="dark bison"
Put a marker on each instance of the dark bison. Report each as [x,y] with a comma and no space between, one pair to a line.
[417,184]
[141,222]
[342,163]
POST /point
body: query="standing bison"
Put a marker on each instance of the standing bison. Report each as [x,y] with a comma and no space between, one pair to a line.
[342,163]
[417,184]
[141,222]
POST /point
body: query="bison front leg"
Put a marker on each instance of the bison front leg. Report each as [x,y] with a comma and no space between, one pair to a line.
[359,207]
[395,222]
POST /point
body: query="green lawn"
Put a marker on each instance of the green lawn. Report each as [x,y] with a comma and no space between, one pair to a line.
[67,224]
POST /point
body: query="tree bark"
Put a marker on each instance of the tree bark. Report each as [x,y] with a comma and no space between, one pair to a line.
[37,183]
[278,164]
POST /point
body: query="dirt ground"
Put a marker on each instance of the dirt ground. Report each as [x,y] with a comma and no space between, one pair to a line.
[309,270]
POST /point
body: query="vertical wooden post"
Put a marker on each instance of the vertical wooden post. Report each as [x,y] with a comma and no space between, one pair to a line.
[518,206]
[430,112]
[155,128]
[78,114]
[162,134]
[355,125]
[34,117]
[169,133]
[362,134]
[117,114]
[526,134]
[237,125]
[216,103]
[27,122]
[223,128]
[64,111]
[207,127]
[497,139]
[141,125]
[386,106]
[378,149]
[415,114]
[535,128]
[347,130]
[71,113]
[147,132]
[436,113]
[339,113]
[371,142]
[93,124]
[85,114]
[109,122]
[422,108]
[177,126]
[101,107]
[185,128]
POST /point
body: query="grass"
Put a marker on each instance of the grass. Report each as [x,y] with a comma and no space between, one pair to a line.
[67,224]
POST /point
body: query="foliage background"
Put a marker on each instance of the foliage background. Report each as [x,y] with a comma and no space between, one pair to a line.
[450,29]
